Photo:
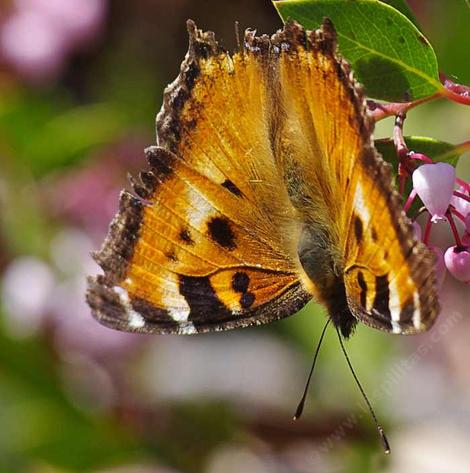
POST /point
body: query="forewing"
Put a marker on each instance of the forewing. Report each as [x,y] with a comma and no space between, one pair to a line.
[210,241]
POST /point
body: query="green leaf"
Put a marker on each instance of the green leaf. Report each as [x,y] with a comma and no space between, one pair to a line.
[388,54]
[403,8]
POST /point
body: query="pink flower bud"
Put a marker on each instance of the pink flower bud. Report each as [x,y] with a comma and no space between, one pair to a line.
[440,265]
[434,184]
[465,239]
[458,262]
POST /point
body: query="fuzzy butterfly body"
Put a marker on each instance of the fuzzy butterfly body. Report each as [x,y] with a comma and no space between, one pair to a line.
[264,191]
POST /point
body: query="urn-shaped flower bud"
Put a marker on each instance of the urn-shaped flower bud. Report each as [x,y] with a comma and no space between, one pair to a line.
[434,184]
[457,260]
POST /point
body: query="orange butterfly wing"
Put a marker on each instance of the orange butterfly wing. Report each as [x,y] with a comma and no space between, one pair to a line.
[211,242]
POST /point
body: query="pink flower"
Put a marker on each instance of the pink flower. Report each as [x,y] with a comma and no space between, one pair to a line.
[458,262]
[39,35]
[78,20]
[434,184]
[32,46]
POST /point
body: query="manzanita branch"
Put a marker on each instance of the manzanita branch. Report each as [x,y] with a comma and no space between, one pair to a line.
[402,152]
[398,138]
[457,92]
[378,111]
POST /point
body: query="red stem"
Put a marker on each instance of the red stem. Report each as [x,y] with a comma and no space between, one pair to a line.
[379,111]
[462,183]
[427,231]
[462,147]
[420,157]
[462,196]
[458,242]
[410,200]
[398,138]
[456,92]
[457,214]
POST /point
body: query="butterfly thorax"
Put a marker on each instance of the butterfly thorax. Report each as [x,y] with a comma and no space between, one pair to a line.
[318,247]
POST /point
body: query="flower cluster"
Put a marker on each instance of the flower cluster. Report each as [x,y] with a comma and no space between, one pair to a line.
[445,197]
[38,35]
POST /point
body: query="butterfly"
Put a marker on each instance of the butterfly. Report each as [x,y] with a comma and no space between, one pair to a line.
[264,191]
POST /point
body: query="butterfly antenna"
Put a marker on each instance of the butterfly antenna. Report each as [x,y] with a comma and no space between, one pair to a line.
[383,437]
[300,407]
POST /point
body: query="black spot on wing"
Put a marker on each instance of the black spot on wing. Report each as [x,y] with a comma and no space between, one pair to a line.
[186,237]
[374,235]
[382,296]
[363,285]
[171,256]
[202,299]
[240,283]
[247,300]
[229,185]
[358,228]
[221,232]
